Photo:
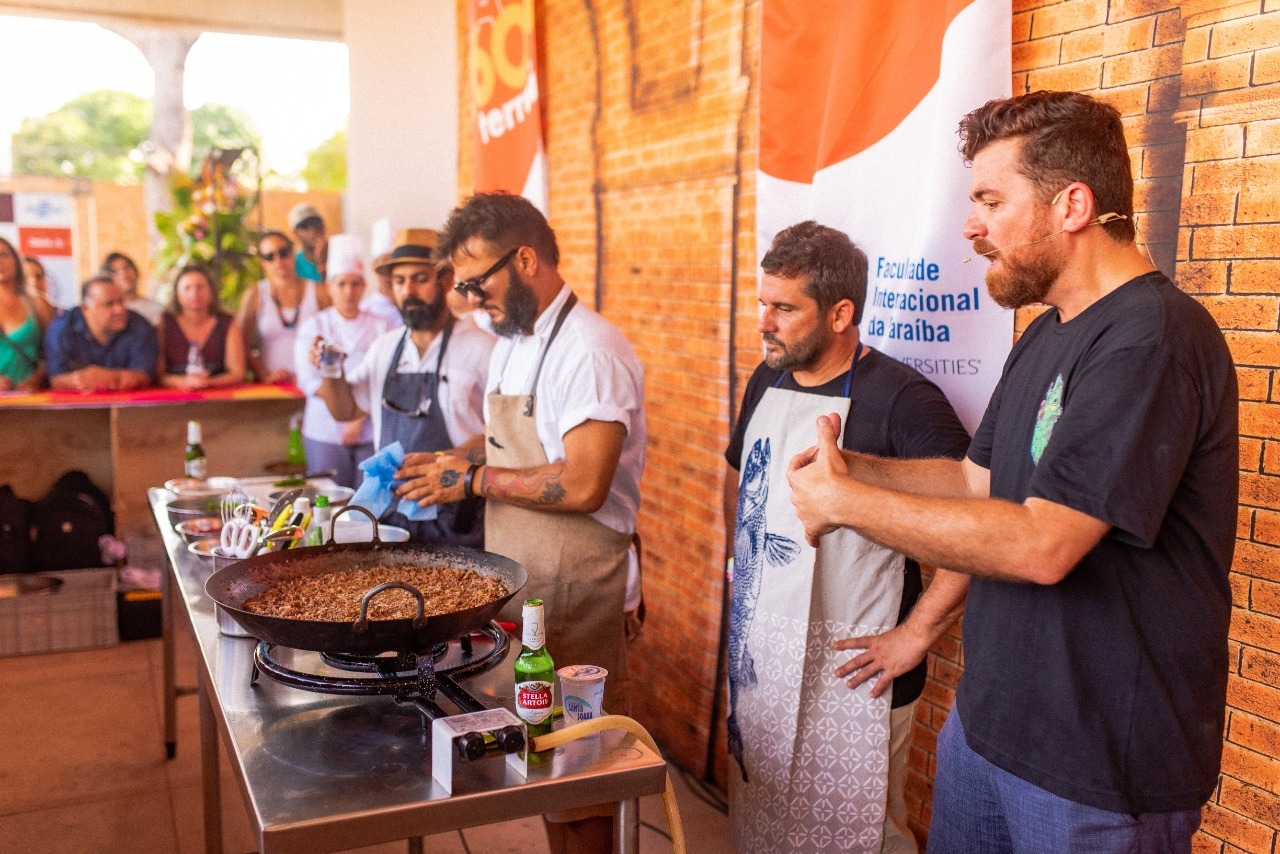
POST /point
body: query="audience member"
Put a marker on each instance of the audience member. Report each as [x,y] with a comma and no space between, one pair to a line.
[37,286]
[270,314]
[124,272]
[330,443]
[101,345]
[308,226]
[200,344]
[22,320]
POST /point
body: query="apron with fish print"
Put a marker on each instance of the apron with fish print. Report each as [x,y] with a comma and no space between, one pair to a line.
[813,755]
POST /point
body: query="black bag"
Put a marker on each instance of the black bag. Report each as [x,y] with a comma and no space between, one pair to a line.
[68,523]
[15,532]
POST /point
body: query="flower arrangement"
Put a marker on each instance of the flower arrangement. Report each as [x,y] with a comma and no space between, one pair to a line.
[209,224]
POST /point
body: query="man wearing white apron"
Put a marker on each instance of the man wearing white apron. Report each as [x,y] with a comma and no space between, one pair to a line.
[821,766]
[560,460]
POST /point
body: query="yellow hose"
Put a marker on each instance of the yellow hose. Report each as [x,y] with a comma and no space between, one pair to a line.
[591,727]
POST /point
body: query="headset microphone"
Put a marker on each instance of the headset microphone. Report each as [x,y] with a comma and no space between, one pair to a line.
[1102,219]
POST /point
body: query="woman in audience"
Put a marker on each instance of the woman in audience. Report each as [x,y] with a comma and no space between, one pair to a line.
[345,326]
[22,323]
[271,313]
[121,268]
[200,344]
[38,283]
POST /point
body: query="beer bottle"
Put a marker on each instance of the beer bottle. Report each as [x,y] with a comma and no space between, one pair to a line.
[535,672]
[197,465]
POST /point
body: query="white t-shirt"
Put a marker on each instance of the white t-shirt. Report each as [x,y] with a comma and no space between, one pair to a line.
[461,393]
[353,337]
[590,374]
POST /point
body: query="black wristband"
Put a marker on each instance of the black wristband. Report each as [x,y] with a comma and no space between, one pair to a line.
[467,489]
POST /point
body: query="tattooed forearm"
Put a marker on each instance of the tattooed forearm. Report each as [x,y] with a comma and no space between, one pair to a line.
[476,455]
[538,487]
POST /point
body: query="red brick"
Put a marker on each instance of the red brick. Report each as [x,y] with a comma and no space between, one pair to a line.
[1240,105]
[1266,67]
[1077,77]
[1262,138]
[1202,843]
[1129,36]
[1195,45]
[1266,527]
[1264,597]
[1218,143]
[1249,34]
[1244,521]
[1225,824]
[1021,29]
[1259,204]
[1040,53]
[1124,10]
[1255,277]
[1250,801]
[1145,65]
[1215,75]
[1246,241]
[1254,383]
[1169,28]
[1209,209]
[1250,454]
[1068,17]
[1259,735]
[1256,630]
[1202,277]
[1164,95]
[1082,44]
[1198,13]
[1261,420]
[1238,312]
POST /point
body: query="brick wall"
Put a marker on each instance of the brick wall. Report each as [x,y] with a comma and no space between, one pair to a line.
[650,112]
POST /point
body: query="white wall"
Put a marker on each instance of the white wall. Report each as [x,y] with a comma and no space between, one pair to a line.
[402,142]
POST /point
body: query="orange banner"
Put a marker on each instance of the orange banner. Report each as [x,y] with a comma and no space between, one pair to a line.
[502,54]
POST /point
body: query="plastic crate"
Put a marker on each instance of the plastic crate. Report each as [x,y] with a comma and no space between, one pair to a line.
[80,615]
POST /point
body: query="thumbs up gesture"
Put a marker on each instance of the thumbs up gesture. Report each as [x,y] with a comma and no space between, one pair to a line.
[815,476]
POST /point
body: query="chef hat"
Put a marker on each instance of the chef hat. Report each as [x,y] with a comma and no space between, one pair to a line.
[346,256]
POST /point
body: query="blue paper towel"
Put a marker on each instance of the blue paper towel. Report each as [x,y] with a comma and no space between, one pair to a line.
[375,493]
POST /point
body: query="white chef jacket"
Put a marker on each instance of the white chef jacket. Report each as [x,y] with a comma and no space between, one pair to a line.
[590,374]
[353,337]
[377,303]
[461,391]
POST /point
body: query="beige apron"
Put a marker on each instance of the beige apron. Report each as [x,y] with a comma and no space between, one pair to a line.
[814,753]
[577,566]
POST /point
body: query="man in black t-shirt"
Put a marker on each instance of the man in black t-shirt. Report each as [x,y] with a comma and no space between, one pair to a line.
[802,739]
[1096,510]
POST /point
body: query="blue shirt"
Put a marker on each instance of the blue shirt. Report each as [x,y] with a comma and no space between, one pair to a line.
[69,346]
[304,268]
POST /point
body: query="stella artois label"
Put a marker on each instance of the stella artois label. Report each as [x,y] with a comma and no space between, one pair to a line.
[533,701]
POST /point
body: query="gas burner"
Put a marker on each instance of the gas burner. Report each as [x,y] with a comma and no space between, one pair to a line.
[405,676]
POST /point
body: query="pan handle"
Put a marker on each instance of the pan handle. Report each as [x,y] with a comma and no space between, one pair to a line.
[362,623]
[334,517]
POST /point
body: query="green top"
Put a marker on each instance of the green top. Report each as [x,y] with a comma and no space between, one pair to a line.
[20,350]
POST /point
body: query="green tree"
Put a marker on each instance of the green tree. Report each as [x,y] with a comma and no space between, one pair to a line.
[94,135]
[326,167]
[220,126]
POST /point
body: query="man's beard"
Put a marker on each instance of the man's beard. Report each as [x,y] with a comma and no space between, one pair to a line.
[1015,283]
[519,308]
[800,356]
[420,315]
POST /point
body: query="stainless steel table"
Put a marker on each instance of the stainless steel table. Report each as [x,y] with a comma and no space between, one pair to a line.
[317,774]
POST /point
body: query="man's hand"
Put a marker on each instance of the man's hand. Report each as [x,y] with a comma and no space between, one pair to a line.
[888,655]
[314,355]
[814,476]
[432,478]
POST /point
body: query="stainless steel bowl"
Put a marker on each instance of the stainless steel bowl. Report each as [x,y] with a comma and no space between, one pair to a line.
[185,509]
[200,528]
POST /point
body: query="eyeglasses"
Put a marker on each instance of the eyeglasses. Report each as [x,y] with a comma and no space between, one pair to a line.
[475,285]
[281,253]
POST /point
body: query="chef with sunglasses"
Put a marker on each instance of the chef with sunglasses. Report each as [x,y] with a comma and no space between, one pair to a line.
[560,459]
[425,381]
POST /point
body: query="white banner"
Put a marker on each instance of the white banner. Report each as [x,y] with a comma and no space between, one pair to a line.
[860,101]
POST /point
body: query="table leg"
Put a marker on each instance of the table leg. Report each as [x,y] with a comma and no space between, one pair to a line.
[626,824]
[210,784]
[170,665]
[415,845]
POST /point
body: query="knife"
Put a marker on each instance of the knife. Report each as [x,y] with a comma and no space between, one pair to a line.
[283,502]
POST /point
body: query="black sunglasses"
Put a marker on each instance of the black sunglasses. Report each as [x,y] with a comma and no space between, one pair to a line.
[475,285]
[282,253]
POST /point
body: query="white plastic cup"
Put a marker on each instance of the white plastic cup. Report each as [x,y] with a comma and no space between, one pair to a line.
[582,692]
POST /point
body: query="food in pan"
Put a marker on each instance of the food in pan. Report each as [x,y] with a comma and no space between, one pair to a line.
[335,596]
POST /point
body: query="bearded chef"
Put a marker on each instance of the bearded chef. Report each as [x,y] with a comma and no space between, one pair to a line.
[423,382]
[561,455]
[821,762]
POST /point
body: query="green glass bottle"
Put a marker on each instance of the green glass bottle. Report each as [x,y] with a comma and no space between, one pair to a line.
[197,465]
[295,454]
[535,673]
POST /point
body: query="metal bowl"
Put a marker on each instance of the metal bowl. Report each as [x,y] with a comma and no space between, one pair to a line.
[338,495]
[190,487]
[211,550]
[185,509]
[201,528]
